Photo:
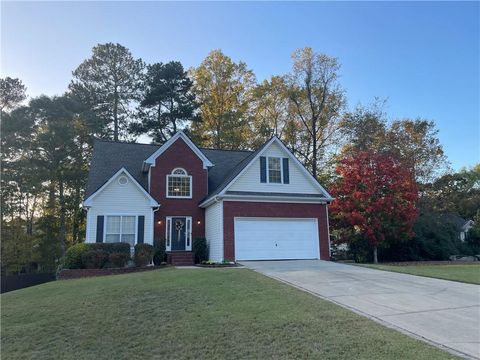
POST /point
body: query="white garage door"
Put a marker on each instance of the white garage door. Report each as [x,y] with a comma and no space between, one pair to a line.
[275,239]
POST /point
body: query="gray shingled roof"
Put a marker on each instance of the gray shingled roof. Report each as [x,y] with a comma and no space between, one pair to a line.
[225,162]
[109,157]
[233,172]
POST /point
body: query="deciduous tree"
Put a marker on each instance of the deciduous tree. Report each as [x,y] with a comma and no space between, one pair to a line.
[223,90]
[375,199]
[318,101]
[416,143]
[270,110]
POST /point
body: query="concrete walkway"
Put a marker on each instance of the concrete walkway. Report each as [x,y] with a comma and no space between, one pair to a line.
[444,313]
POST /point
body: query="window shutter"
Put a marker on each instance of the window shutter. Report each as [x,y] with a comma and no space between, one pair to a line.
[286,175]
[100,228]
[263,169]
[141,229]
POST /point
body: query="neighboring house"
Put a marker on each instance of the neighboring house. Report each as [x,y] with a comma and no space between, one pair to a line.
[462,226]
[248,205]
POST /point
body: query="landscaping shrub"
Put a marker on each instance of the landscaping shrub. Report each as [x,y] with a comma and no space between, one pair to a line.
[111,248]
[73,256]
[159,255]
[143,254]
[118,260]
[94,259]
[200,249]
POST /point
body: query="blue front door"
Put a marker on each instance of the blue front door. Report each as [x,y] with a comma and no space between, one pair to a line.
[178,233]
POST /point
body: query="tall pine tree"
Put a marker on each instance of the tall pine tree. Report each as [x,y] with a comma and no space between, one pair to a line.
[167,104]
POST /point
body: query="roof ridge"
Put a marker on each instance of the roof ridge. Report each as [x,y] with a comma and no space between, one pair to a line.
[123,142]
[205,148]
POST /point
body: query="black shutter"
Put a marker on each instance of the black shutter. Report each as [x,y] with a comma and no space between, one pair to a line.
[263,169]
[141,227]
[100,228]
[286,175]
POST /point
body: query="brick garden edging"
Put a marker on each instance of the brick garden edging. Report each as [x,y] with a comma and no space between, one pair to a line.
[67,274]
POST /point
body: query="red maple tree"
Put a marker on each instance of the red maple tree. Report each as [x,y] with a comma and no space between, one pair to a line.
[375,198]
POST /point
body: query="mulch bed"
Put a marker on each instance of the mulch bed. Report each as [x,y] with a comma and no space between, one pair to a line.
[420,263]
[67,274]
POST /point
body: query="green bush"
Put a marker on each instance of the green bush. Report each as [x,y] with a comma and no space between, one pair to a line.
[112,248]
[200,249]
[143,254]
[159,255]
[94,259]
[118,260]
[73,256]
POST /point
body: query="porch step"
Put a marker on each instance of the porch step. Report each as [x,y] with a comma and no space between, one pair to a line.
[180,258]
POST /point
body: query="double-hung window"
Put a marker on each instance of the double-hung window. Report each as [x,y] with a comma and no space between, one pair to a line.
[274,170]
[120,229]
[179,184]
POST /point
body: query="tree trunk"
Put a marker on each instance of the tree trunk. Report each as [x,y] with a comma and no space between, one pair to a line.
[62,230]
[375,255]
[115,115]
[75,225]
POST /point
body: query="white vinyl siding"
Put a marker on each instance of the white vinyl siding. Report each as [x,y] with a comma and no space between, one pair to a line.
[250,179]
[276,239]
[214,231]
[125,200]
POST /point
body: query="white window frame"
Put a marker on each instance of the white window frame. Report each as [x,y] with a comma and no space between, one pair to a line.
[177,175]
[281,170]
[121,215]
[188,232]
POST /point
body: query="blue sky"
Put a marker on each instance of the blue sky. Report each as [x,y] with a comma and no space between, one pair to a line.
[422,56]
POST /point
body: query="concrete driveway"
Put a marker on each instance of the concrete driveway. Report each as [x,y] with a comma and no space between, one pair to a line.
[445,313]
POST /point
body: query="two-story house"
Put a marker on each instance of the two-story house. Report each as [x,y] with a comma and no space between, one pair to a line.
[259,205]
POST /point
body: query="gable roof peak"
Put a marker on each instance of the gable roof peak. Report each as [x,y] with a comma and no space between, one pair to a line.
[150,161]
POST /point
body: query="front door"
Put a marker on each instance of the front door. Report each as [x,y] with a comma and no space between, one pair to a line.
[178,233]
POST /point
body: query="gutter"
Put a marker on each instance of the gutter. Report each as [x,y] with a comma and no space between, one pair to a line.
[217,198]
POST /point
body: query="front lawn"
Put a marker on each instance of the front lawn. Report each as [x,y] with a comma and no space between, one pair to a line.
[468,273]
[194,314]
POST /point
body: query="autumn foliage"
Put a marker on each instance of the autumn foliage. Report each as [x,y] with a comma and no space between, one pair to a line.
[375,198]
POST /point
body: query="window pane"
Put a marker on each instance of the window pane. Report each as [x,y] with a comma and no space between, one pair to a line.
[274,177]
[180,172]
[113,225]
[128,224]
[274,163]
[274,170]
[129,239]
[179,186]
[111,238]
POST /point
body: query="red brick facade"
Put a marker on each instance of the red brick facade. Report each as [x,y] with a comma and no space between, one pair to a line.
[233,209]
[179,155]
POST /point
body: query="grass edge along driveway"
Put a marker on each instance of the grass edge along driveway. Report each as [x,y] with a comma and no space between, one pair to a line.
[191,313]
[467,273]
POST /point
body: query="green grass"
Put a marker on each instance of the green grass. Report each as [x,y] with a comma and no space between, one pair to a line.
[463,273]
[191,314]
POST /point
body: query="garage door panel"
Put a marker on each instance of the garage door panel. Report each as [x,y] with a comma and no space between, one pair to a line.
[272,239]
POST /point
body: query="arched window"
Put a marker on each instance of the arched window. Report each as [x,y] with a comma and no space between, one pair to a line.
[179,184]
